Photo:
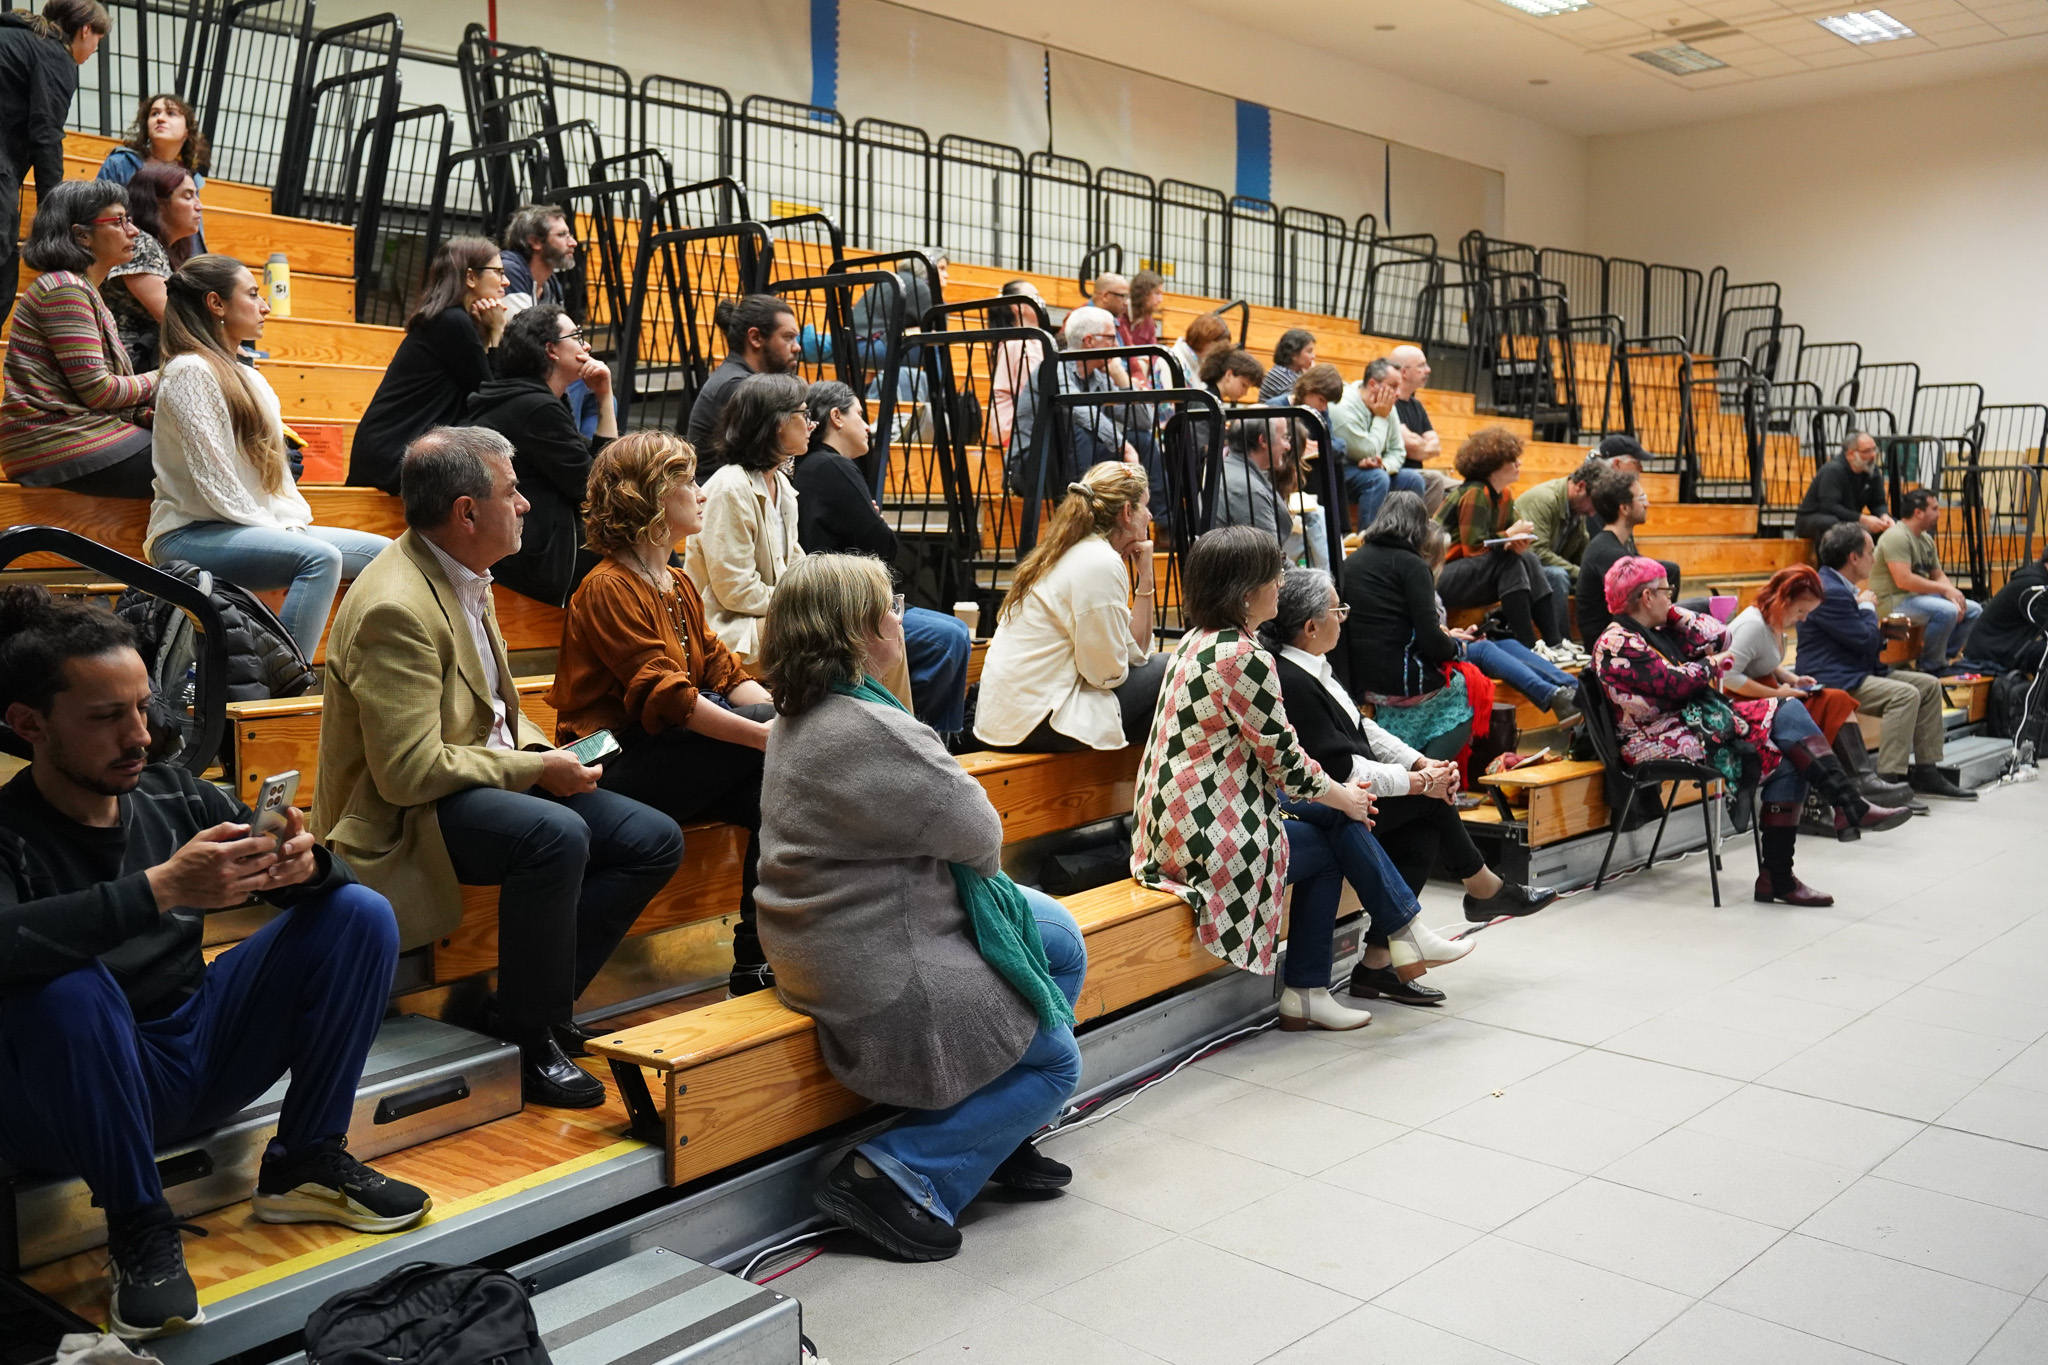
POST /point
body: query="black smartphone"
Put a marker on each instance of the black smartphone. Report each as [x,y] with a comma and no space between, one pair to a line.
[594,747]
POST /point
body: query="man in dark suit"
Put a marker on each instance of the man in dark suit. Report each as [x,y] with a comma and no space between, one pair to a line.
[1839,644]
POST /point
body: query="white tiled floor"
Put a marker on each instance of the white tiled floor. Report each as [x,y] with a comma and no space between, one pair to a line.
[1643,1129]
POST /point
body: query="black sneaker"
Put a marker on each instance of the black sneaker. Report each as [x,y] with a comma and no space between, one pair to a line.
[153,1293]
[747,980]
[1027,1168]
[875,1208]
[327,1185]
[1929,780]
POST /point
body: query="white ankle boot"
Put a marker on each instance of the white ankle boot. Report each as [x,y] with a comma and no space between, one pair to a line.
[1415,948]
[1305,1009]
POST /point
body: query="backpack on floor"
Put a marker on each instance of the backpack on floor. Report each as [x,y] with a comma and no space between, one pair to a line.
[428,1314]
[2007,714]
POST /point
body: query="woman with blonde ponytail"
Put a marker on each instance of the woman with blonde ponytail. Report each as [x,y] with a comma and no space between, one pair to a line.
[224,493]
[1071,665]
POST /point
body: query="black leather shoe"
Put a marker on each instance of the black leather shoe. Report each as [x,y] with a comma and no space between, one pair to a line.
[1027,1168]
[549,1079]
[1929,781]
[875,1208]
[572,1038]
[1384,983]
[1879,792]
[1511,899]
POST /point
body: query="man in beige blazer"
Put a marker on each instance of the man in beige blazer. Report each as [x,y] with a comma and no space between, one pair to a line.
[432,779]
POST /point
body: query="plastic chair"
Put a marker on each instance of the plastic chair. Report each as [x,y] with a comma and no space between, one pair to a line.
[1627,777]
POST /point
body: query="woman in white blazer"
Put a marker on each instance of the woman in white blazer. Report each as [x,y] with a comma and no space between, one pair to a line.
[749,538]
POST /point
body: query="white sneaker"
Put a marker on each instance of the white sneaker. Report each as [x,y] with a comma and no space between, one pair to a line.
[1308,1009]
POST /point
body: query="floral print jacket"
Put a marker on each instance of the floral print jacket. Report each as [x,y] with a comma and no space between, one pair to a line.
[1663,709]
[1219,757]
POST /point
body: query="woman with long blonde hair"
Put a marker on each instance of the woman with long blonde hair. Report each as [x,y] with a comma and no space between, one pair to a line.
[1071,665]
[639,660]
[224,493]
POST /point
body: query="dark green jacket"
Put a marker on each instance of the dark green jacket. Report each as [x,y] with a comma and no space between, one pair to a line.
[1560,537]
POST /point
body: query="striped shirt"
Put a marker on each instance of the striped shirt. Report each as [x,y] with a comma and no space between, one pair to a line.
[71,394]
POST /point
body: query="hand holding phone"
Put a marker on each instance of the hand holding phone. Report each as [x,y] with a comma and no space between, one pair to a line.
[273,799]
[594,747]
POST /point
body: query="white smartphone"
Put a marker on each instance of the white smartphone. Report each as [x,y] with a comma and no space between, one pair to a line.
[272,799]
[594,747]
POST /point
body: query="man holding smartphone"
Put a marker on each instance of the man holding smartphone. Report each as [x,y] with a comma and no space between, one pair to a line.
[116,1036]
[431,778]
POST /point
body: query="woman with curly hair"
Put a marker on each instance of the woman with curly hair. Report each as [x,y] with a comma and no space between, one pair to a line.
[638,659]
[165,133]
[1492,555]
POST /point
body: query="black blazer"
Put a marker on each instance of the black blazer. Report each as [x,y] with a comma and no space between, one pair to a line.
[552,459]
[1330,737]
[1839,642]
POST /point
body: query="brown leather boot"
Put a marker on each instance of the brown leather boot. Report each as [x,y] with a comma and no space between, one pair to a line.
[1778,832]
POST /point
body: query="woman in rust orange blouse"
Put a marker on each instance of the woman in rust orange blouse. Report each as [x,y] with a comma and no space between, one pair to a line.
[638,660]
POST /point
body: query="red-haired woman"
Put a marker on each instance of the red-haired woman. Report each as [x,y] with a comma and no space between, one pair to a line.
[1756,642]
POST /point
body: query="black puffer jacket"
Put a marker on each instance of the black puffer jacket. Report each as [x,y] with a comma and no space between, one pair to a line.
[262,660]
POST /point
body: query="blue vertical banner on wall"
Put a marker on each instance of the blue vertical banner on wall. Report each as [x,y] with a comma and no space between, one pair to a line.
[1254,149]
[825,53]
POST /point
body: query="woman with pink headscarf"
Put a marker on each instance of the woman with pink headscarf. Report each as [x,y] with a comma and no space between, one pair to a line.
[1661,666]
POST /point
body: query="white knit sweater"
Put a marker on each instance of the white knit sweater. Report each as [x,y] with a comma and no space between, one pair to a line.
[201,475]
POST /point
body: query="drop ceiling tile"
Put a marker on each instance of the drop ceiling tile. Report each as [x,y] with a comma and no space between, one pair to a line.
[1965,31]
[1775,66]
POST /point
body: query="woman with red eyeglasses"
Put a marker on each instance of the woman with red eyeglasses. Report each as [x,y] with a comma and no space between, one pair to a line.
[76,415]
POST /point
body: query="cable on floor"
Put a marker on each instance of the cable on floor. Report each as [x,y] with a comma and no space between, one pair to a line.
[1072,1120]
[764,1254]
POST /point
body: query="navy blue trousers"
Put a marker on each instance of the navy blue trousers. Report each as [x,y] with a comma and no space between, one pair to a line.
[86,1089]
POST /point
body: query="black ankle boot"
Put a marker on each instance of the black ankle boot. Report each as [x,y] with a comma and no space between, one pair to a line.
[1817,763]
[1862,769]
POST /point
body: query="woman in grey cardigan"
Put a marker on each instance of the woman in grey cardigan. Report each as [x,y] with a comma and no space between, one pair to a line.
[936,983]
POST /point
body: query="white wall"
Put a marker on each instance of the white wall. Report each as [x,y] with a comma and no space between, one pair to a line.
[1911,221]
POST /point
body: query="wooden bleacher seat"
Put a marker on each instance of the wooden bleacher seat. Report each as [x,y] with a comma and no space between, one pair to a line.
[740,1077]
[1558,800]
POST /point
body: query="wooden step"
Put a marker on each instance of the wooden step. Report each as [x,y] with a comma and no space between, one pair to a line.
[1703,556]
[740,1077]
[1566,798]
[317,341]
[85,152]
[250,236]
[329,297]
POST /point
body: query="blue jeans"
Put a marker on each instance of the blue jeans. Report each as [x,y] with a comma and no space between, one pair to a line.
[1369,488]
[936,645]
[1312,542]
[1559,612]
[312,564]
[1948,630]
[942,1157]
[1520,667]
[1325,849]
[1791,724]
[85,1087]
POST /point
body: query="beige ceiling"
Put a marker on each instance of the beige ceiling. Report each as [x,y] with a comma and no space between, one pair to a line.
[1777,55]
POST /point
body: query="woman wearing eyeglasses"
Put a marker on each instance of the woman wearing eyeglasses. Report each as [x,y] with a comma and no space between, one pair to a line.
[750,519]
[444,358]
[637,659]
[76,415]
[1660,666]
[541,355]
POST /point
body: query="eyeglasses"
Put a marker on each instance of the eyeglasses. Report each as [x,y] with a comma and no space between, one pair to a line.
[896,606]
[1664,588]
[803,413]
[576,335]
[496,269]
[119,220]
[1341,611]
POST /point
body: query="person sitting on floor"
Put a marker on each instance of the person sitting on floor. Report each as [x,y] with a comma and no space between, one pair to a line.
[116,1036]
[443,360]
[1909,581]
[1659,663]
[164,201]
[1071,665]
[638,660]
[1293,354]
[1221,764]
[75,414]
[1415,813]
[1841,644]
[750,535]
[225,499]
[2012,635]
[542,355]
[1478,574]
[1849,487]
[836,514]
[1756,639]
[937,984]
[763,338]
[432,778]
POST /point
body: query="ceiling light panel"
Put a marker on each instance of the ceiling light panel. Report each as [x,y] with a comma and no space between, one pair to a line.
[1546,8]
[1679,60]
[1865,26]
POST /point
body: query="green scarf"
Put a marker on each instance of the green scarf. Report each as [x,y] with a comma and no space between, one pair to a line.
[1005,931]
